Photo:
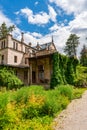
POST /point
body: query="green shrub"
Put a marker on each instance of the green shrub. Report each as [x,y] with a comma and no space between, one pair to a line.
[4,99]
[33,106]
[9,79]
[66,91]
[81,80]
[77,93]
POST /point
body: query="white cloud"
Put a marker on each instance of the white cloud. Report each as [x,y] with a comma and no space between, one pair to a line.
[4,18]
[40,18]
[54,27]
[36,34]
[80,22]
[52,13]
[71,6]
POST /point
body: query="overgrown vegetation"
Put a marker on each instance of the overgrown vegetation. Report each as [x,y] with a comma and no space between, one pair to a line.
[9,79]
[64,70]
[33,108]
[81,80]
[83,56]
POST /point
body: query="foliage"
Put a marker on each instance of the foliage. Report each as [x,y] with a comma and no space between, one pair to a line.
[4,30]
[83,57]
[64,70]
[35,108]
[66,91]
[56,76]
[81,80]
[71,45]
[9,79]
[77,93]
[70,72]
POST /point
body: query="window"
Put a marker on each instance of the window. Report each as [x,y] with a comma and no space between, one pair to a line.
[26,50]
[26,60]
[15,59]
[15,45]
[25,75]
[4,44]
[2,59]
[41,73]
[41,68]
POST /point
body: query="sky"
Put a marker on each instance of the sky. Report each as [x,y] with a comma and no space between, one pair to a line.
[42,19]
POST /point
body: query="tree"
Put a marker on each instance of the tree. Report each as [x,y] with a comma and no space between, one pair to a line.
[83,57]
[4,30]
[71,45]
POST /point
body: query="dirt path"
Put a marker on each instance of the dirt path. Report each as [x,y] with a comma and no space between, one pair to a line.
[74,117]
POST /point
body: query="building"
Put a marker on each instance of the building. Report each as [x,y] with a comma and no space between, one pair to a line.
[33,65]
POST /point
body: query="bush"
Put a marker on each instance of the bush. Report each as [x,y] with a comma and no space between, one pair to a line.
[66,91]
[33,107]
[77,93]
[81,80]
[9,79]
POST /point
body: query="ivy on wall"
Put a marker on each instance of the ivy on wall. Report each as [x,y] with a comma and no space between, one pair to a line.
[64,70]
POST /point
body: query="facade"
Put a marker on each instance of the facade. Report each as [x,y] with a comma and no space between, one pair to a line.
[32,65]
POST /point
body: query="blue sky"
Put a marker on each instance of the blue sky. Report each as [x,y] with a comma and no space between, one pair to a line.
[42,19]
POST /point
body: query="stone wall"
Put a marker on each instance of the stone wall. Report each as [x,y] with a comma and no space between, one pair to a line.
[5,53]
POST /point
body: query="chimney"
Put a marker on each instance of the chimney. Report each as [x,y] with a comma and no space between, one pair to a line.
[52,39]
[38,46]
[22,37]
[30,43]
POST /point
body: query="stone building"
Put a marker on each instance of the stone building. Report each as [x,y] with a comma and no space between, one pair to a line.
[32,65]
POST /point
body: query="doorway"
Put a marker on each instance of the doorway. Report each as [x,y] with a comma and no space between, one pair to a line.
[33,77]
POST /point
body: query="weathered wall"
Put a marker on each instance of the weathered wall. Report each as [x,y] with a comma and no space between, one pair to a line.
[5,53]
[20,74]
[47,68]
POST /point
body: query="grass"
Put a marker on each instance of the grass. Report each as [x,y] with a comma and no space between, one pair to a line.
[33,108]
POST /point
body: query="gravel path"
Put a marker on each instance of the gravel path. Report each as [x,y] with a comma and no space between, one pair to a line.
[74,117]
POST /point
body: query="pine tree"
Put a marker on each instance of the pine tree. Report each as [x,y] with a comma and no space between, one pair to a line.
[4,30]
[71,45]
